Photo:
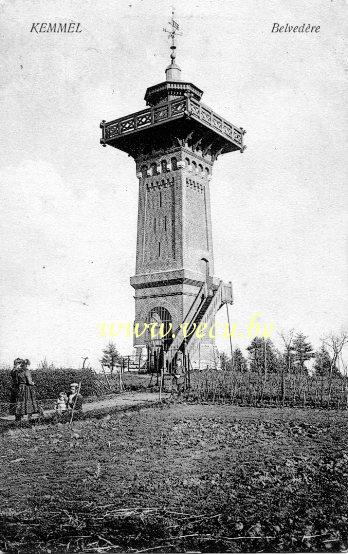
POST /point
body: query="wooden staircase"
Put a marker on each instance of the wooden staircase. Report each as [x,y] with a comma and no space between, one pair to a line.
[204,308]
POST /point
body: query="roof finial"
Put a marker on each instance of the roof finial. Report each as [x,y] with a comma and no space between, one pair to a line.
[173,71]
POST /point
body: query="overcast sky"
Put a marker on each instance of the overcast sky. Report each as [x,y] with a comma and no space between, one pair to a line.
[69,206]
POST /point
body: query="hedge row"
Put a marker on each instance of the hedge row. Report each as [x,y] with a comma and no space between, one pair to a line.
[49,383]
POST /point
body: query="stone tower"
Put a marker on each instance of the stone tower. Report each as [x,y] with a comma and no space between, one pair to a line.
[174,143]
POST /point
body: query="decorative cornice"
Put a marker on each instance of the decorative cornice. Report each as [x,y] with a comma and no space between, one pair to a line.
[169,282]
[160,295]
[164,91]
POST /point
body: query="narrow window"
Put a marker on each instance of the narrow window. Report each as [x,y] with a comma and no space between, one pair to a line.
[154,169]
[174,164]
[159,249]
[154,225]
[164,166]
[165,222]
[144,171]
[160,199]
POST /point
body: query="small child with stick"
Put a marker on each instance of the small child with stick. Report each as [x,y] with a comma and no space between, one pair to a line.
[75,399]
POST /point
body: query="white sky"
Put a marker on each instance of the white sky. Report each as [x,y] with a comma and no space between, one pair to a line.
[69,206]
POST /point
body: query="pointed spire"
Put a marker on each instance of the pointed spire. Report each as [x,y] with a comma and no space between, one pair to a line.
[173,72]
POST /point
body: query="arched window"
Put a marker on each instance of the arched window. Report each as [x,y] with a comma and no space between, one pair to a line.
[164,166]
[154,169]
[174,164]
[144,171]
[194,165]
[207,170]
[200,167]
[187,161]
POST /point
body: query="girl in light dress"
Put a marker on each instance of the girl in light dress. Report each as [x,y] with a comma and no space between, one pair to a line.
[61,404]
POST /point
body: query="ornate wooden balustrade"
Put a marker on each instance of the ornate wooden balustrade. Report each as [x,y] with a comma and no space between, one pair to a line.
[167,112]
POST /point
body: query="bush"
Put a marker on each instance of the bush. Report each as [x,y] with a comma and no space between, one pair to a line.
[49,383]
[5,385]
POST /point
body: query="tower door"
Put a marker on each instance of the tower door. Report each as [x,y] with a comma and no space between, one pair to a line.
[163,319]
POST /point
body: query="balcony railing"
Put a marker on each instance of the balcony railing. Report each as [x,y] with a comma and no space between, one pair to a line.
[207,116]
[167,112]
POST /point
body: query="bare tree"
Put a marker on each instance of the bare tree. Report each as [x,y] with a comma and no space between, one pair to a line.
[334,344]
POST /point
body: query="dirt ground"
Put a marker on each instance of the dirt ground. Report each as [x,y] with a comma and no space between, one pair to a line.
[203,478]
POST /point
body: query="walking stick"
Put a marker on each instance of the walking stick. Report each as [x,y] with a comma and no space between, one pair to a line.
[73,410]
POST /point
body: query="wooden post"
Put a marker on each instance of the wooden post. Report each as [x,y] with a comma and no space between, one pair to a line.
[265,375]
[106,377]
[185,364]
[120,379]
[229,334]
[156,359]
[161,379]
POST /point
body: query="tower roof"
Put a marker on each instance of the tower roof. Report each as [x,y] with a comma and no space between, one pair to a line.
[172,87]
[175,113]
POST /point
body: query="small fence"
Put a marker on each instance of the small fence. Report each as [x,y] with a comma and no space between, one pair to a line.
[248,389]
[252,389]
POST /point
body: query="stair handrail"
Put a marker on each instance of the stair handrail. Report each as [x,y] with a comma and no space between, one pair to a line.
[222,295]
[178,332]
[212,309]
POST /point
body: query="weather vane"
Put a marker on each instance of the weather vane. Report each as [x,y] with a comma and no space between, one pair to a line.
[172,33]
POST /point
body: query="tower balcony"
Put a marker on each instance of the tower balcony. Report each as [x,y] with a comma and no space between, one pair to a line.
[179,118]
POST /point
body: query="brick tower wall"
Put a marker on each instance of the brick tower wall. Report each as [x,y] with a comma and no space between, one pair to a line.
[174,237]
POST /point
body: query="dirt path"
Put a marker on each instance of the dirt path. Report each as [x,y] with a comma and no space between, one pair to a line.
[125,399]
[122,400]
